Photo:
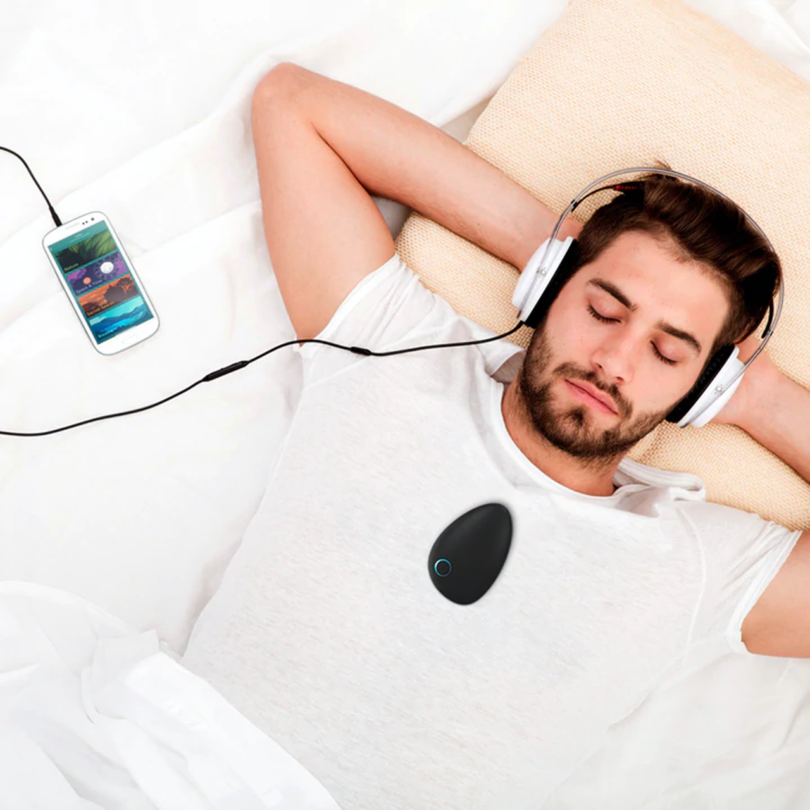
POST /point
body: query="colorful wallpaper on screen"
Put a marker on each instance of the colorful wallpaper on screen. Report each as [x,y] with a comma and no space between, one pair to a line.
[101,282]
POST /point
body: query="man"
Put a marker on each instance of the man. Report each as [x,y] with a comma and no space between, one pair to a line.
[327,632]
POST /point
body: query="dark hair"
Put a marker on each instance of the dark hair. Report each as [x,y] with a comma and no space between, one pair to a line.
[696,225]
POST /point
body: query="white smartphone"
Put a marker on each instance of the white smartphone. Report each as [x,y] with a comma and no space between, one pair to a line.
[101,283]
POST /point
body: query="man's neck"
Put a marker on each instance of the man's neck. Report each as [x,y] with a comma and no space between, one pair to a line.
[553,462]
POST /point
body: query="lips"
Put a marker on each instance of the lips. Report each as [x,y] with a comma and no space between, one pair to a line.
[595,393]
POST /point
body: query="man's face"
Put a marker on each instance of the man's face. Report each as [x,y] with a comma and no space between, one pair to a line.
[619,357]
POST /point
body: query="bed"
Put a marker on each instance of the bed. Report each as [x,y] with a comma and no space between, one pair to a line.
[144,113]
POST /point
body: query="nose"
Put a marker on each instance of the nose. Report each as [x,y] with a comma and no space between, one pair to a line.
[615,358]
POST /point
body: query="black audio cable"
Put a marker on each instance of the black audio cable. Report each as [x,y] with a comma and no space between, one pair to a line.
[241,363]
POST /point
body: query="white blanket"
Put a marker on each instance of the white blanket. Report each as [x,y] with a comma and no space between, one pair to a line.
[143,112]
[96,715]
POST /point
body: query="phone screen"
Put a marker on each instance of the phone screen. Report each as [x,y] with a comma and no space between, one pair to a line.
[101,281]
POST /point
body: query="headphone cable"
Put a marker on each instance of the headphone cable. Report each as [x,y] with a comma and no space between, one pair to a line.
[242,363]
[239,364]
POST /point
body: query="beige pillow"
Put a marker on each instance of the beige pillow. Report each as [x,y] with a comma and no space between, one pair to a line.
[615,84]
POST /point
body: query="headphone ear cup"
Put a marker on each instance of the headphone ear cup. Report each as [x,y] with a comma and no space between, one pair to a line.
[556,282]
[706,380]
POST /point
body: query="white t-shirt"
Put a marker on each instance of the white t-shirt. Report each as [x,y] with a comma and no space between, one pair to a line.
[328,634]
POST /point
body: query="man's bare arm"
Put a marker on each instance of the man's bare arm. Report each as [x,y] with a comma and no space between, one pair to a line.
[775,411]
[400,156]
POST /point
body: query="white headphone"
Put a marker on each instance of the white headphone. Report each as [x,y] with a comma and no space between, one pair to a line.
[551,265]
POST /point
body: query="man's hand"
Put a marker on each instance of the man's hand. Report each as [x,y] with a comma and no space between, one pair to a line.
[569,228]
[757,380]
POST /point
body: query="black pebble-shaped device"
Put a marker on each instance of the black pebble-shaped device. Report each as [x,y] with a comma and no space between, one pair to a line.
[469,554]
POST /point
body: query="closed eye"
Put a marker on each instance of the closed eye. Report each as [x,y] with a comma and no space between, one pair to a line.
[615,320]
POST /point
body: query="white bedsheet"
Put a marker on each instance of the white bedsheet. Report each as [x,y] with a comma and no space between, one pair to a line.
[96,715]
[143,112]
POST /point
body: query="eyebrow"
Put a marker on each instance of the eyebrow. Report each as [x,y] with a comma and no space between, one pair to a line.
[664,326]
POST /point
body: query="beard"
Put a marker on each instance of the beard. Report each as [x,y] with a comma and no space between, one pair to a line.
[572,428]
